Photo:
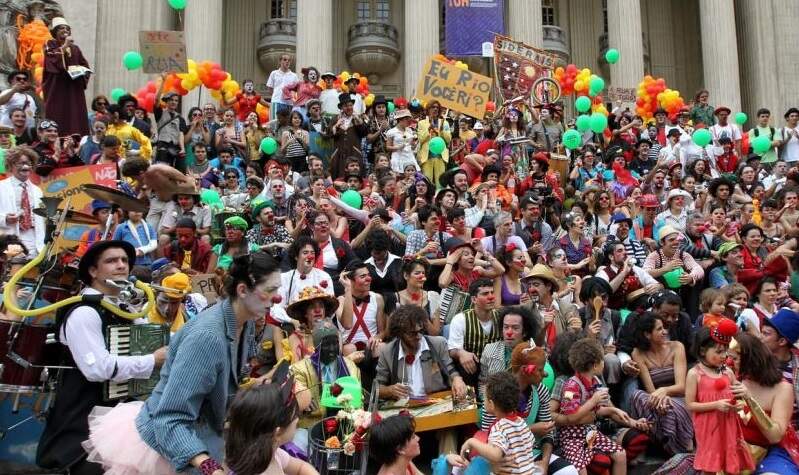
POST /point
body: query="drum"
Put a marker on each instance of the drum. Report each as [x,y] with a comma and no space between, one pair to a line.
[24,350]
[560,163]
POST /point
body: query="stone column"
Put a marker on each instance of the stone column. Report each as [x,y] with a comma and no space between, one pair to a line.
[760,62]
[525,23]
[118,25]
[719,56]
[203,26]
[421,40]
[314,35]
[624,34]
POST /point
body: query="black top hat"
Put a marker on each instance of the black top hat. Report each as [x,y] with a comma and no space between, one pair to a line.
[90,258]
[381,99]
[344,98]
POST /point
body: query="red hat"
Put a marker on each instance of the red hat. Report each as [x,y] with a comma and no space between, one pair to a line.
[722,109]
[684,110]
[541,157]
[649,201]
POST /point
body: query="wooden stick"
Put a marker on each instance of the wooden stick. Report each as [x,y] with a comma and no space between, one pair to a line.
[597,302]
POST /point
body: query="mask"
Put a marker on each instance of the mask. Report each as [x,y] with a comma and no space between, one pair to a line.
[313,76]
[328,350]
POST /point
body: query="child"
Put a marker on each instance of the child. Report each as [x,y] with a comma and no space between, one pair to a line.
[262,419]
[510,442]
[719,439]
[713,304]
[583,399]
[393,445]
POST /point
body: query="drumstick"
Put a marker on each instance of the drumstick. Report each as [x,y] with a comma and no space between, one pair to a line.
[597,302]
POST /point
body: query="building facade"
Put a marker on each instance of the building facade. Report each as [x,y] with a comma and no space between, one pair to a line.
[740,50]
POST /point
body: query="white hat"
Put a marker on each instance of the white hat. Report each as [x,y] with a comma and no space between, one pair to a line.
[478,125]
[667,230]
[674,192]
[58,21]
[402,114]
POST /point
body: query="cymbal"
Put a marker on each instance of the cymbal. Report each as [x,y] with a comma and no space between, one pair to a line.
[116,197]
[74,217]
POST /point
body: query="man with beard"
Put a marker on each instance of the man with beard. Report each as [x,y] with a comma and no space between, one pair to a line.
[276,193]
[272,237]
[169,308]
[323,367]
[732,261]
[129,105]
[643,162]
[553,315]
[534,231]
[187,251]
[460,183]
[655,183]
[319,142]
[701,244]
[628,281]
[23,134]
[780,333]
[347,130]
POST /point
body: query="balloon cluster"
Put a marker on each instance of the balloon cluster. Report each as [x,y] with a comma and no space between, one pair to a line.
[578,81]
[652,93]
[30,47]
[209,74]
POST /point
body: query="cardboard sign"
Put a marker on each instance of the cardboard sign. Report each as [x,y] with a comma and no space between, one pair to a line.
[163,52]
[205,284]
[66,182]
[457,89]
[623,94]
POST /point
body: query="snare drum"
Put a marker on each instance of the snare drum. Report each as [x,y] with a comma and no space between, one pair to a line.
[24,350]
[560,163]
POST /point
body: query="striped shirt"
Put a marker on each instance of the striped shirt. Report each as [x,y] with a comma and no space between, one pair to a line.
[516,441]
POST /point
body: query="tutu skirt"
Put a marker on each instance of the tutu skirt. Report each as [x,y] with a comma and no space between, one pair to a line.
[115,443]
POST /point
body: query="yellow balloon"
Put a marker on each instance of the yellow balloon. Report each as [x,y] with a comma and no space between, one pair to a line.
[216,94]
[192,64]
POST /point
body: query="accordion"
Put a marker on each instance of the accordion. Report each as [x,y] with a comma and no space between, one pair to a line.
[453,302]
[134,340]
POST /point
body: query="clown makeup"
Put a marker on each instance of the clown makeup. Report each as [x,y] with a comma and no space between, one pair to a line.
[417,276]
[249,87]
[306,258]
[485,298]
[328,349]
[512,330]
[362,280]
[314,313]
[517,260]
[313,75]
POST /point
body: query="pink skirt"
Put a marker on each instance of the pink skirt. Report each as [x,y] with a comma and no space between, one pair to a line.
[115,443]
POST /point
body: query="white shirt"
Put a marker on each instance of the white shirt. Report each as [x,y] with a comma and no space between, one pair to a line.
[329,100]
[642,275]
[730,131]
[404,156]
[291,284]
[329,258]
[791,153]
[277,81]
[415,376]
[19,99]
[457,330]
[83,335]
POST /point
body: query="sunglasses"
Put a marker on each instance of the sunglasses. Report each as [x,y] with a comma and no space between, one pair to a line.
[197,114]
[231,177]
[21,78]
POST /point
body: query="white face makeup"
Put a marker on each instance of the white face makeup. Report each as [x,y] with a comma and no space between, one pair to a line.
[248,87]
[313,76]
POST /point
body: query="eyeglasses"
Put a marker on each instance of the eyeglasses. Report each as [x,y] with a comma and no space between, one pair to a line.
[197,114]
[21,78]
[321,224]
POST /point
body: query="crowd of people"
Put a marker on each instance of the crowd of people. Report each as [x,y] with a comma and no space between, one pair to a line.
[629,300]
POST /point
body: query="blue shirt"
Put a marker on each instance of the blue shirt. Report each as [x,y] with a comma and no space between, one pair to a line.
[145,232]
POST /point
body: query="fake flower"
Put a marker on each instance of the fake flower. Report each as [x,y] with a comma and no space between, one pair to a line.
[331,426]
[333,443]
[336,389]
[409,359]
[344,399]
[349,449]
[323,284]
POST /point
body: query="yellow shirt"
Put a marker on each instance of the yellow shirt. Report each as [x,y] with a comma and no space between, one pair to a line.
[126,132]
[424,135]
[156,318]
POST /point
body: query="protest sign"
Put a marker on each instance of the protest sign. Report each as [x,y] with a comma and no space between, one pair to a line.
[622,94]
[66,183]
[205,284]
[163,52]
[457,89]
[518,66]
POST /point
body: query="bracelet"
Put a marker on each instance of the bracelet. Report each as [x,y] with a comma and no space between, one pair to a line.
[209,466]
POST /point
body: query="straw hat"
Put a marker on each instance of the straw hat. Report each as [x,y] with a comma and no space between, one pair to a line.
[540,271]
[296,309]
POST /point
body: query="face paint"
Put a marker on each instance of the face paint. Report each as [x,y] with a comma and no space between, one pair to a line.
[328,350]
[313,76]
[249,87]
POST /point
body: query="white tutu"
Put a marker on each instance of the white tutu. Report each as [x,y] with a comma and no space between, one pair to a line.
[115,443]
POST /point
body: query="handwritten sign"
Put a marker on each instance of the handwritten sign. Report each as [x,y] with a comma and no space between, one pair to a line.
[66,183]
[623,94]
[457,89]
[205,284]
[163,51]
[518,67]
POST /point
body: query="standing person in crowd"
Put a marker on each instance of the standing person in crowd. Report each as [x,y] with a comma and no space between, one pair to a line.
[18,96]
[294,143]
[19,197]
[277,80]
[66,75]
[433,125]
[130,105]
[400,141]
[23,135]
[347,129]
[301,256]
[134,143]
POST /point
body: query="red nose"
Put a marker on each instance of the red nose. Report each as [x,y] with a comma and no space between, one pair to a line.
[276,299]
[509,335]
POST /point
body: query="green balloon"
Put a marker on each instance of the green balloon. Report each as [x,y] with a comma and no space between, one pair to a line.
[583,104]
[177,4]
[761,145]
[596,84]
[132,60]
[437,145]
[702,137]
[612,55]
[210,197]
[390,107]
[598,123]
[572,139]
[352,198]
[2,160]
[549,377]
[741,118]
[583,122]
[268,145]
[116,93]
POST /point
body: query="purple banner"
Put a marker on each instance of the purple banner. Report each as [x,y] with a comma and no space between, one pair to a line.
[470,23]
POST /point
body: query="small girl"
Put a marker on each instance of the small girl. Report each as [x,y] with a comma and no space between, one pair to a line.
[583,400]
[262,419]
[713,304]
[719,439]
